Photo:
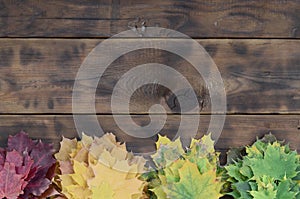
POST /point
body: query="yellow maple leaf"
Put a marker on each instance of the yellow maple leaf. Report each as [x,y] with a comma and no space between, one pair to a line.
[121,186]
[102,191]
[100,168]
[66,146]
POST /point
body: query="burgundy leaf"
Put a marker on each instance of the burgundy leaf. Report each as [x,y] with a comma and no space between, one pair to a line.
[11,182]
[37,187]
[15,158]
[51,172]
[42,154]
[26,168]
[20,142]
[50,192]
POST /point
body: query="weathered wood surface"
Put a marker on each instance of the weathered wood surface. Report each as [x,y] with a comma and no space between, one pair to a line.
[213,18]
[238,130]
[260,76]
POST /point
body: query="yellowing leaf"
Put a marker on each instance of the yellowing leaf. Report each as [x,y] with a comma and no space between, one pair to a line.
[163,140]
[159,192]
[66,180]
[192,174]
[86,140]
[99,168]
[121,186]
[82,173]
[103,191]
[203,146]
[77,192]
[167,151]
[106,158]
[194,185]
[66,147]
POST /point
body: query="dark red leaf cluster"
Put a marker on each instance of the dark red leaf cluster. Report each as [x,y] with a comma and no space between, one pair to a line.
[26,168]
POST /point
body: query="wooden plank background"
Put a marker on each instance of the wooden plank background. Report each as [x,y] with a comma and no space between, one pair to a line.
[103,18]
[261,76]
[238,129]
[255,45]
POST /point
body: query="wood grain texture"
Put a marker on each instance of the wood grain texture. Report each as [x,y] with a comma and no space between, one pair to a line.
[260,76]
[238,130]
[198,18]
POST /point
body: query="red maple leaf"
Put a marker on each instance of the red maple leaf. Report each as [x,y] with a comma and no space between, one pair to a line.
[12,185]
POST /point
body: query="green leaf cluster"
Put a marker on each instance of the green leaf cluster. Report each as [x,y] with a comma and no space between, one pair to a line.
[269,170]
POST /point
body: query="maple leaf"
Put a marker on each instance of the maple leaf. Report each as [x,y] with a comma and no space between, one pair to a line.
[66,147]
[192,184]
[120,188]
[269,169]
[285,167]
[98,168]
[20,142]
[186,174]
[167,151]
[12,184]
[102,191]
[27,167]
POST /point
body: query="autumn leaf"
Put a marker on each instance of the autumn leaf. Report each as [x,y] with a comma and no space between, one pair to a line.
[189,174]
[192,184]
[12,184]
[96,168]
[26,167]
[20,142]
[117,180]
[167,151]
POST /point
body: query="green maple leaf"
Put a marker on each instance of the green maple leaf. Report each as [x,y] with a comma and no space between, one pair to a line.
[264,194]
[194,185]
[284,190]
[243,188]
[268,170]
[266,188]
[233,170]
[275,164]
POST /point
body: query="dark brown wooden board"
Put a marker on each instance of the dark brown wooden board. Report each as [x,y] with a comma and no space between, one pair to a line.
[238,130]
[43,43]
[104,18]
[260,76]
